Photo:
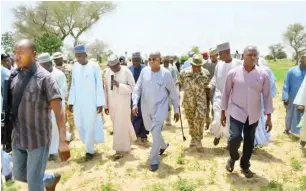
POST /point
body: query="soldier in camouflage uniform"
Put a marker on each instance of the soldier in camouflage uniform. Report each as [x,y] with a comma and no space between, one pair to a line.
[195,82]
[66,69]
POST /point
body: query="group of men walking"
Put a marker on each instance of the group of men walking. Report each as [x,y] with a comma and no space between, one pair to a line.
[138,99]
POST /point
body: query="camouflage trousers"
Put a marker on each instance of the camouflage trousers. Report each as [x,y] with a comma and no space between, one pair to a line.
[69,118]
[196,121]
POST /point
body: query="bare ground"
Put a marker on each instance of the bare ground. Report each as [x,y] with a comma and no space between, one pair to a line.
[278,166]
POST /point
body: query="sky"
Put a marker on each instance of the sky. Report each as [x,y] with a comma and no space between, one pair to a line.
[174,27]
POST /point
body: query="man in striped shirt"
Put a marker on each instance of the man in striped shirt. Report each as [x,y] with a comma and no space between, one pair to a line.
[31,120]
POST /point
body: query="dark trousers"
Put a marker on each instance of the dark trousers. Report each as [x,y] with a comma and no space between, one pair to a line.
[236,128]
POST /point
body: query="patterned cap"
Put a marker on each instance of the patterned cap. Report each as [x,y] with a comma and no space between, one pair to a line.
[113,60]
[190,54]
[79,48]
[44,57]
[57,55]
[223,46]
[136,55]
[196,60]
[213,51]
[204,54]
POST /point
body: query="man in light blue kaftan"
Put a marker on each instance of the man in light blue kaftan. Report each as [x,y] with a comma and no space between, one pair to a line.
[187,63]
[154,86]
[262,137]
[292,84]
[86,100]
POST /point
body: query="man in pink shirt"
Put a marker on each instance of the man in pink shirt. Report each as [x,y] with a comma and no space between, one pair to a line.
[244,86]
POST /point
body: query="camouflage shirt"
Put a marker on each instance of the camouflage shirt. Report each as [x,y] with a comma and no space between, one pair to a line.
[195,88]
[67,70]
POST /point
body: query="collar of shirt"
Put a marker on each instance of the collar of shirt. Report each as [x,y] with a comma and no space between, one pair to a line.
[249,71]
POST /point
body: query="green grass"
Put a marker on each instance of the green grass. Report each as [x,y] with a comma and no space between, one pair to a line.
[273,186]
[107,187]
[303,183]
[280,68]
[295,164]
[184,185]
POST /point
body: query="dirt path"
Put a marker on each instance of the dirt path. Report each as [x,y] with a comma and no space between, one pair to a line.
[281,162]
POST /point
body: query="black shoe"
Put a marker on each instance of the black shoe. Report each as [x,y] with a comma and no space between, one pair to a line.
[287,132]
[9,177]
[247,173]
[144,140]
[88,156]
[111,133]
[161,151]
[216,141]
[230,165]
[52,157]
[303,144]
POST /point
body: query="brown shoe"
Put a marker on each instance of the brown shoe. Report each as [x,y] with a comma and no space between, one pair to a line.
[57,178]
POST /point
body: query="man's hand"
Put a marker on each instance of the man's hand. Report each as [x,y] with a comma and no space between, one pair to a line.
[64,152]
[135,110]
[106,111]
[176,117]
[285,102]
[223,119]
[115,83]
[99,109]
[301,109]
[71,108]
[268,124]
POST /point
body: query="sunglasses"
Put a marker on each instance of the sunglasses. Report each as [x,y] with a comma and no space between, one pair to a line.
[153,59]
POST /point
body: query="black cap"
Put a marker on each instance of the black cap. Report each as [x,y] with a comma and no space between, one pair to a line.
[4,56]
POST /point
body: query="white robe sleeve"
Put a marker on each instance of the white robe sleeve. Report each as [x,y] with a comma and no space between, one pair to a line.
[100,99]
[71,98]
[300,98]
[173,93]
[63,87]
[212,83]
[126,89]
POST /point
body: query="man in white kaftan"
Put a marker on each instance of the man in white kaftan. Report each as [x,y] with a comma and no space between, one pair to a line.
[86,100]
[118,104]
[300,100]
[45,61]
[217,83]
[154,86]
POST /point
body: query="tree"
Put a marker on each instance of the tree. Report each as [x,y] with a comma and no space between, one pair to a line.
[48,43]
[269,57]
[96,49]
[61,18]
[276,51]
[7,42]
[296,37]
[195,49]
[281,55]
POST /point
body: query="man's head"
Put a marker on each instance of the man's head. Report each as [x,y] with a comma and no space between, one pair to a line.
[166,61]
[45,61]
[205,55]
[80,54]
[303,61]
[196,62]
[114,63]
[213,55]
[58,58]
[136,59]
[154,61]
[5,61]
[25,53]
[250,56]
[224,51]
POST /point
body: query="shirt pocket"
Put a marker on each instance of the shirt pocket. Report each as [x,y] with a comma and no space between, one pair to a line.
[257,84]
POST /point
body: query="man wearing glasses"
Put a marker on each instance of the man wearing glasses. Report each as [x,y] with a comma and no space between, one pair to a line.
[154,86]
